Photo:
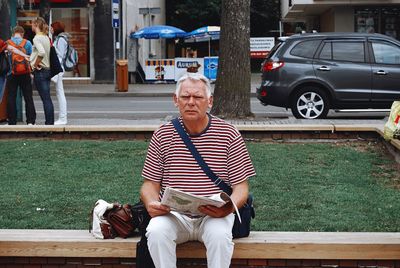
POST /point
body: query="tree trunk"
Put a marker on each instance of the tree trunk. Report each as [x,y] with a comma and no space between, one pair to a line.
[232,89]
[44,10]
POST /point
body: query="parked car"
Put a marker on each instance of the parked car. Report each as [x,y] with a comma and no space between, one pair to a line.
[312,73]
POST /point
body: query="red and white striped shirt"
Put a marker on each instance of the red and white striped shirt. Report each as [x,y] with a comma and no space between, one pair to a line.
[170,163]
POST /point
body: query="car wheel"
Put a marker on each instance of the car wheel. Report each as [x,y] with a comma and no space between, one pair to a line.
[310,103]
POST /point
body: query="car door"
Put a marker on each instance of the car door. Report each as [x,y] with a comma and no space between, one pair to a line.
[386,72]
[343,65]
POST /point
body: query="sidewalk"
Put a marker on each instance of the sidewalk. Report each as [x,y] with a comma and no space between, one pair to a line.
[166,90]
[134,90]
[256,123]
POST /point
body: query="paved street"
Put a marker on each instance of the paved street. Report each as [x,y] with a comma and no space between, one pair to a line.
[100,104]
[150,110]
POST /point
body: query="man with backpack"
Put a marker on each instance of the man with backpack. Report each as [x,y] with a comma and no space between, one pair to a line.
[20,77]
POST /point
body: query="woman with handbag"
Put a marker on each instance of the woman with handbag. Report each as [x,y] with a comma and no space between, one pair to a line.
[61,45]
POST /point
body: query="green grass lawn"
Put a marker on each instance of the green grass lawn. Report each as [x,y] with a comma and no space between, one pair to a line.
[299,187]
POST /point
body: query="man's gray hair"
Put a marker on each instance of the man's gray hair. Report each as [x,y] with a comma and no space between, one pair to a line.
[196,77]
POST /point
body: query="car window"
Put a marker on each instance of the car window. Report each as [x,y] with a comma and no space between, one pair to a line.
[386,53]
[326,51]
[305,49]
[348,51]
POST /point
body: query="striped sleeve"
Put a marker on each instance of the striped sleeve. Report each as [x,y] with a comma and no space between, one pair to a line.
[153,166]
[239,163]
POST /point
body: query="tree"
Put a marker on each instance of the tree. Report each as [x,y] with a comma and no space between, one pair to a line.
[264,18]
[192,14]
[232,89]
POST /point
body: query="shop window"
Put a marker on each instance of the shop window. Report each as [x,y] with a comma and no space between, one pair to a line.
[384,20]
[24,19]
[76,23]
[367,20]
[390,22]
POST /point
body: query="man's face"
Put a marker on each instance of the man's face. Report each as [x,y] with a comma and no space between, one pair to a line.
[192,101]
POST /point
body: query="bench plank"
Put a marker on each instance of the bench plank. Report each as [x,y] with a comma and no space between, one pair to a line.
[259,245]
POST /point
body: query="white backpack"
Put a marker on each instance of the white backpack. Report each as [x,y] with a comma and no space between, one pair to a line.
[70,59]
[100,227]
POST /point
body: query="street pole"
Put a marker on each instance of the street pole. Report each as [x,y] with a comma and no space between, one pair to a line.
[115,63]
[115,23]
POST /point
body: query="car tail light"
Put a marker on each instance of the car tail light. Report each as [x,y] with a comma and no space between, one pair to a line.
[263,92]
[272,65]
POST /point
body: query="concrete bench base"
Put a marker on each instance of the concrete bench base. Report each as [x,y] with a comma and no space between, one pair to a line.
[259,245]
[40,262]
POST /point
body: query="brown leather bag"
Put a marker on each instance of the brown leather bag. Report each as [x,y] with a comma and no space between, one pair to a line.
[121,220]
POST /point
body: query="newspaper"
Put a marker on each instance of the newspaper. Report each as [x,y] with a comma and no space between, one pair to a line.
[186,203]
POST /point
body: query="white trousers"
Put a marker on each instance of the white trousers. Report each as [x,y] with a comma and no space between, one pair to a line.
[62,102]
[165,232]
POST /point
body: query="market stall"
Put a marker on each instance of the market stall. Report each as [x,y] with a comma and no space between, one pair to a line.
[165,70]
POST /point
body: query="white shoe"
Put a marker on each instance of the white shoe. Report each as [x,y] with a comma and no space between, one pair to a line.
[60,122]
[30,124]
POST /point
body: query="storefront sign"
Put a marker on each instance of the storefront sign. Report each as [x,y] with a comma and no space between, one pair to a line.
[160,70]
[182,65]
[115,13]
[260,46]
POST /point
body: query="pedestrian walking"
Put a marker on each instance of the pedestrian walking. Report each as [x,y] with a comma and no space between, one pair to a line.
[20,49]
[40,62]
[60,42]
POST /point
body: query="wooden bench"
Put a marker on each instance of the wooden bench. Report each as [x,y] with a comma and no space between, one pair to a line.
[260,245]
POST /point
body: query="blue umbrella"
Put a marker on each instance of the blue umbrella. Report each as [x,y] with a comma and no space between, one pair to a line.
[206,33]
[159,31]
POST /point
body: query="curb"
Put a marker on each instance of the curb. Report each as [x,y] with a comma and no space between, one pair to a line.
[124,94]
[116,94]
[241,127]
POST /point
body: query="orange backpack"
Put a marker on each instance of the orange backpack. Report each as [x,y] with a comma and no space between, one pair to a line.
[19,65]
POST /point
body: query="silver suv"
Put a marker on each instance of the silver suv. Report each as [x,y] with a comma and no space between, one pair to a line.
[312,73]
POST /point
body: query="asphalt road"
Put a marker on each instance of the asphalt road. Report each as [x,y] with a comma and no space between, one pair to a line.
[130,108]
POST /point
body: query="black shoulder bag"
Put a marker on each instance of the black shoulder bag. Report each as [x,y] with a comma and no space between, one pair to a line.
[240,229]
[142,219]
[55,66]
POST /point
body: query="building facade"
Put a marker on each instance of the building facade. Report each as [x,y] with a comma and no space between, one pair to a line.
[140,14]
[372,16]
[98,41]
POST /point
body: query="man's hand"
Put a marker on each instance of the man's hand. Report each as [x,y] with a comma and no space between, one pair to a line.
[149,194]
[155,208]
[216,212]
[239,197]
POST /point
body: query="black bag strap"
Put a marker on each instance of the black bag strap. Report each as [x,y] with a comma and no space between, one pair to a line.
[186,139]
